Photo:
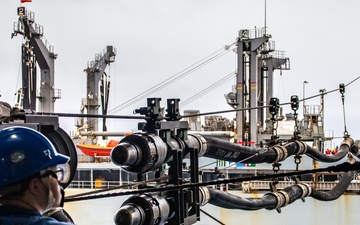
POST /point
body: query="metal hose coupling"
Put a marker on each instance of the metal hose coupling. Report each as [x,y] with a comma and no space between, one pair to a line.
[281,153]
[139,153]
[302,147]
[144,209]
[355,149]
[306,189]
[347,141]
[198,141]
[204,195]
[282,199]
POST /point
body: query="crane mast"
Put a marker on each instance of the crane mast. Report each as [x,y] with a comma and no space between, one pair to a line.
[95,73]
[36,50]
[257,60]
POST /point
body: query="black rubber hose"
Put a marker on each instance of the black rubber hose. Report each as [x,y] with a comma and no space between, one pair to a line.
[343,151]
[229,201]
[267,201]
[295,192]
[228,151]
[286,196]
[337,191]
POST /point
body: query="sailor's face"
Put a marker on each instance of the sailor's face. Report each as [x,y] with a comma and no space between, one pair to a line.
[52,191]
[56,190]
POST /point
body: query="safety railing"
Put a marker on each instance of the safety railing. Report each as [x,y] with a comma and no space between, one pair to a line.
[253,33]
[83,184]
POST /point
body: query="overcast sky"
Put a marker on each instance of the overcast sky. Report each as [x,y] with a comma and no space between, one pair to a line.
[156,39]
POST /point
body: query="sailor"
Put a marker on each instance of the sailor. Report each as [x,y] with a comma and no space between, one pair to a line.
[30,177]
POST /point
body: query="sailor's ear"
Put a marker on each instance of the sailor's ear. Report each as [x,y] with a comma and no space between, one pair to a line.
[35,186]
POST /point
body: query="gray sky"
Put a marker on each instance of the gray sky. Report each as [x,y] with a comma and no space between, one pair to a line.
[156,39]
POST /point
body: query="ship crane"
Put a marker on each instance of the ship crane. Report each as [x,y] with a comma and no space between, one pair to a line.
[95,72]
[257,60]
[36,50]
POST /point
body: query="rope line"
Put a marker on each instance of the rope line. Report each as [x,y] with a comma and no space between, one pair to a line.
[344,167]
[187,116]
[208,89]
[171,79]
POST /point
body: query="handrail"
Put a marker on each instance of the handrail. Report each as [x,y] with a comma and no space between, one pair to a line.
[85,184]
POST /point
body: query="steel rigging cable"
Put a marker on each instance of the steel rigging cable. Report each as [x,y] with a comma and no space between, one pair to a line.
[215,55]
[208,89]
[172,79]
[260,107]
[187,116]
[343,167]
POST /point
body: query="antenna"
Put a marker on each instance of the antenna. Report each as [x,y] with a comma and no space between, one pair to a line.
[265,17]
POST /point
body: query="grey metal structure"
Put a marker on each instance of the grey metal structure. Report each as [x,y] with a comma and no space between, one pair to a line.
[257,60]
[95,73]
[36,50]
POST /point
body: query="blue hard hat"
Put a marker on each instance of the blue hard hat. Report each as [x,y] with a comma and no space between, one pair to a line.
[25,152]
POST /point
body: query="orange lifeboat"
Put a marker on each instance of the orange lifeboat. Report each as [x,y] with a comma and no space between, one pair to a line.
[97,150]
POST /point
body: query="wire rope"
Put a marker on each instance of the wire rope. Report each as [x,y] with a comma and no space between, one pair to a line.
[208,89]
[343,167]
[213,56]
[172,79]
[186,116]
